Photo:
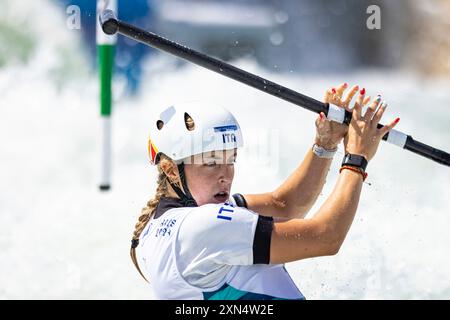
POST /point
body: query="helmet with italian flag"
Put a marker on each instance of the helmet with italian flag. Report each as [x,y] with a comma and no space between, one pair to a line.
[187,129]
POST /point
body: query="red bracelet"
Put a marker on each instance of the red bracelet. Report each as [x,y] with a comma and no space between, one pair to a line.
[355,169]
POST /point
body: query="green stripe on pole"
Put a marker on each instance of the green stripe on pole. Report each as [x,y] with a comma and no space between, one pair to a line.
[106,63]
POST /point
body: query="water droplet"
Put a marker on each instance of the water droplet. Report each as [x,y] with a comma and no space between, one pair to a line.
[281,17]
[276,38]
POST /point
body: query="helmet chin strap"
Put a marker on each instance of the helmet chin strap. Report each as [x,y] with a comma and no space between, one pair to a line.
[187,198]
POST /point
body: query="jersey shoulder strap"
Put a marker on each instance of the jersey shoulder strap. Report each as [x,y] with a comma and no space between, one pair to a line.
[239,200]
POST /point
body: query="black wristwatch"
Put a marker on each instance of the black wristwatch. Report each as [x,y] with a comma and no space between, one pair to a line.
[355,160]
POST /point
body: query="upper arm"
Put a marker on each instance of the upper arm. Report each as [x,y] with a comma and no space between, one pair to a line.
[300,239]
[267,204]
[292,239]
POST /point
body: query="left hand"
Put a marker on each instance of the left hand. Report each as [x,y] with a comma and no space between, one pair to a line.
[330,133]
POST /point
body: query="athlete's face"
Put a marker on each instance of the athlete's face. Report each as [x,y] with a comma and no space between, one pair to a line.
[210,175]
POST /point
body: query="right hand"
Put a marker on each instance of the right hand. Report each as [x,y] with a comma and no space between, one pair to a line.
[363,136]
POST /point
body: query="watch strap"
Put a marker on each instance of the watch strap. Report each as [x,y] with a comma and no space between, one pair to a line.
[355,160]
[321,152]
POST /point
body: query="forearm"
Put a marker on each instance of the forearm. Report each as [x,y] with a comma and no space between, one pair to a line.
[300,191]
[323,234]
[337,213]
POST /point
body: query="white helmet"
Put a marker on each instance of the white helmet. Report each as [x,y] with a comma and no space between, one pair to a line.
[215,128]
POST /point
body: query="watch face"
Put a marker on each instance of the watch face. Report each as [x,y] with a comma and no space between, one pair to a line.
[355,160]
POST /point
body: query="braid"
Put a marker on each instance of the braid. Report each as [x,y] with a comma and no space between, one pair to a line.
[147,212]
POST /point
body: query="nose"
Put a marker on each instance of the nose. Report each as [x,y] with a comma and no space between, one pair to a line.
[226,173]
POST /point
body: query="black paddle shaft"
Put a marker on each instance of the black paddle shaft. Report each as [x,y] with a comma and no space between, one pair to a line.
[111,25]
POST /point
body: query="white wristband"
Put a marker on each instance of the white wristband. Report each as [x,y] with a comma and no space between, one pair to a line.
[323,153]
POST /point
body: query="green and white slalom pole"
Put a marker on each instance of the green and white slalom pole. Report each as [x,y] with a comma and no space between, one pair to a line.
[105,52]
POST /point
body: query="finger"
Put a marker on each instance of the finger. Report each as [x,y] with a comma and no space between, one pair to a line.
[377,117]
[386,128]
[340,89]
[366,100]
[357,109]
[375,112]
[348,98]
[320,120]
[328,96]
[372,108]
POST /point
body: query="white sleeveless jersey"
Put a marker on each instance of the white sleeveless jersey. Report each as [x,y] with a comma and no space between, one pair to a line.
[216,251]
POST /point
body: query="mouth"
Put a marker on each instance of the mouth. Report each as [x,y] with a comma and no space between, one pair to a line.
[221,196]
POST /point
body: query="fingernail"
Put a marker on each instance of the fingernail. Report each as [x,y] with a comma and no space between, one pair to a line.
[378,99]
[363,91]
[345,85]
[333,90]
[397,120]
[321,116]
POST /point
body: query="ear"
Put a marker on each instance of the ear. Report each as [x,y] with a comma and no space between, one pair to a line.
[170,169]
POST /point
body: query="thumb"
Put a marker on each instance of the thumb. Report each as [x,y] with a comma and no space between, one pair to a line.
[320,121]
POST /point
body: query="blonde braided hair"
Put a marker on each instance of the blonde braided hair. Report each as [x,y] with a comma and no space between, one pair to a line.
[161,191]
[148,211]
